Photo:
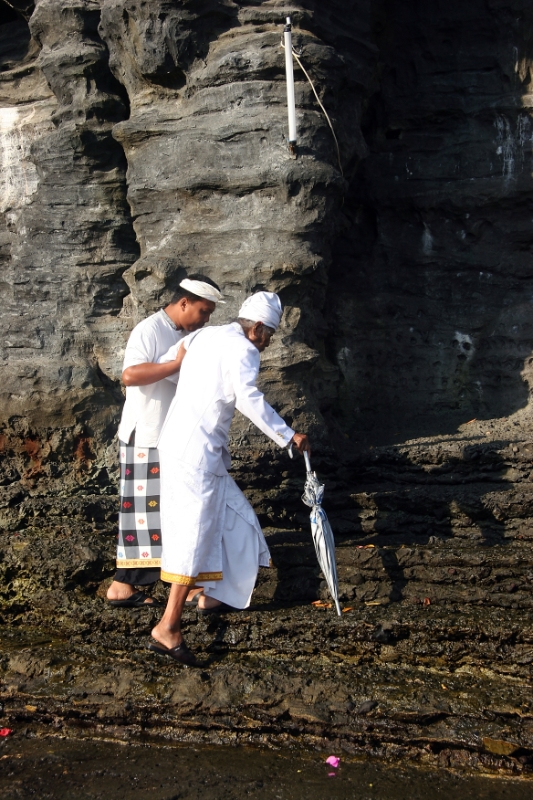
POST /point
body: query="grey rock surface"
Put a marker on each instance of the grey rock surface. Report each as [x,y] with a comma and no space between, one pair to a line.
[143,139]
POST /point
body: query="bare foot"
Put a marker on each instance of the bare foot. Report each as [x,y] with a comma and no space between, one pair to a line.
[208,602]
[165,636]
[121,591]
[196,590]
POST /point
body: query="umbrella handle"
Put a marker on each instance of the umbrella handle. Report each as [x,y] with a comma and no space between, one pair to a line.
[307,461]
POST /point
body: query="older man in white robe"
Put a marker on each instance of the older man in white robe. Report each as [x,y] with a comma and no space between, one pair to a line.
[211,534]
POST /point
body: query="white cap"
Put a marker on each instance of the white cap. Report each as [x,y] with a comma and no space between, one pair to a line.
[262,307]
[202,289]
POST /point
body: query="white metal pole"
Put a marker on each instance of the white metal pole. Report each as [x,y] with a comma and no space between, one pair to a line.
[291,105]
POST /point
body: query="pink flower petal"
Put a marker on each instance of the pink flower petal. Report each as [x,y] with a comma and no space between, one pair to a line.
[5,731]
[332,774]
[333,761]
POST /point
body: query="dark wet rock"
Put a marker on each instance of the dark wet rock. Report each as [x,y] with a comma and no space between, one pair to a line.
[64,769]
[439,632]
[456,686]
[382,635]
[447,674]
[366,707]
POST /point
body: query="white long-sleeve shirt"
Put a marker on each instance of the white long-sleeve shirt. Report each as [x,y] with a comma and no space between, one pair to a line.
[218,375]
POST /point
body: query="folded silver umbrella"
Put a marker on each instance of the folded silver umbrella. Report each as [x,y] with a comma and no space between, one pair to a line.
[321,531]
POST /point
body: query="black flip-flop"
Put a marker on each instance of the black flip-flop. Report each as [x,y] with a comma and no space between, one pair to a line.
[180,653]
[222,608]
[137,600]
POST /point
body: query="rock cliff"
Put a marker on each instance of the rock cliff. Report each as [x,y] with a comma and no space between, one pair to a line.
[438,252]
[142,140]
[139,140]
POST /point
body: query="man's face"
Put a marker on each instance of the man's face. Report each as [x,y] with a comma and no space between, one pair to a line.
[260,336]
[193,314]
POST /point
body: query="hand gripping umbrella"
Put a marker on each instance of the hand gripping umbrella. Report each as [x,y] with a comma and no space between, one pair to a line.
[321,531]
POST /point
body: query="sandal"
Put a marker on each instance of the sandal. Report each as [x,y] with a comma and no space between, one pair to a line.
[137,600]
[222,608]
[180,653]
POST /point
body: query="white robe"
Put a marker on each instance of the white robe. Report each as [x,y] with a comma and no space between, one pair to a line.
[210,532]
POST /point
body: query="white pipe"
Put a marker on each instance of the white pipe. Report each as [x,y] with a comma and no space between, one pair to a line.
[291,105]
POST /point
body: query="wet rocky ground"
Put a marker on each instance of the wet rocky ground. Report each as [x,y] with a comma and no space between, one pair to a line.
[430,663]
[58,768]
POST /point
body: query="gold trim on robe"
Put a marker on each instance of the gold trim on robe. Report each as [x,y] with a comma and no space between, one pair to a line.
[129,563]
[186,580]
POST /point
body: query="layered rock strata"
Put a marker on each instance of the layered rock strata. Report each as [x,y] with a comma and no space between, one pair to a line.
[192,99]
[139,140]
[398,319]
[67,240]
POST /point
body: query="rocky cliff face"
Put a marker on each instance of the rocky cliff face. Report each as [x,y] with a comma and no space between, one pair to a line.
[140,139]
[66,240]
[434,325]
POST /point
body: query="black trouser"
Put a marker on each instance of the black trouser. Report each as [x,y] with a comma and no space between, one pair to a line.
[144,576]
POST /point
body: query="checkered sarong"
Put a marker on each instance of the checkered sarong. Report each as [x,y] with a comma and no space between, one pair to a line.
[139,524]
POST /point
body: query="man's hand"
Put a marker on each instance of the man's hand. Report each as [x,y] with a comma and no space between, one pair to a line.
[301,442]
[150,372]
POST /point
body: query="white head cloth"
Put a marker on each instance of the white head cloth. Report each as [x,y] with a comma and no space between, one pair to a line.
[202,289]
[262,307]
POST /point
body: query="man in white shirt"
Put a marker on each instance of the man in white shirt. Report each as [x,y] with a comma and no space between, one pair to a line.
[211,534]
[150,388]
